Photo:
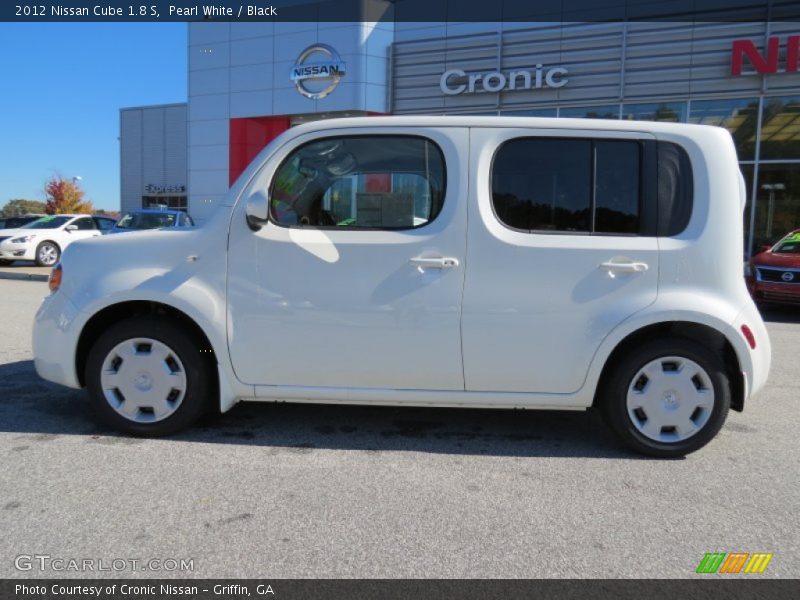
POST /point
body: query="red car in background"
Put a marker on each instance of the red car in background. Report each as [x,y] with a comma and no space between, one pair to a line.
[773,276]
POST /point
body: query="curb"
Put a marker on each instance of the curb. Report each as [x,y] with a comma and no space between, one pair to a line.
[24,276]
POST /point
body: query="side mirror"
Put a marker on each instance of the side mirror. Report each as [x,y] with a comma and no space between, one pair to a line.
[71,228]
[765,247]
[257,210]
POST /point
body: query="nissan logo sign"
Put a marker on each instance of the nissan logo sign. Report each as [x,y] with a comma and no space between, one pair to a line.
[317,72]
[456,81]
[787,276]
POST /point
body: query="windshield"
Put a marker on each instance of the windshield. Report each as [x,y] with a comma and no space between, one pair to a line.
[789,245]
[51,222]
[146,220]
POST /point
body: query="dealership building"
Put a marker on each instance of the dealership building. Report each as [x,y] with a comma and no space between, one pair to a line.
[248,82]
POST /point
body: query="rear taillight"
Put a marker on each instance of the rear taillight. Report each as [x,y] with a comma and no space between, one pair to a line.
[748,335]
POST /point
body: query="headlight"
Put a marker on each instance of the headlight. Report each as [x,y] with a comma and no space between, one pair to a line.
[22,239]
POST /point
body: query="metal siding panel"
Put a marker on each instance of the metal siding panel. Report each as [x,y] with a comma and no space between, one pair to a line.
[130,158]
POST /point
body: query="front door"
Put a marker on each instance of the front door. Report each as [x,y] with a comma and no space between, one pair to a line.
[356,280]
[556,256]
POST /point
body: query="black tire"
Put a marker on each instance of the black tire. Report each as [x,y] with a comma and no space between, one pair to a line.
[199,374]
[613,396]
[55,248]
[5,263]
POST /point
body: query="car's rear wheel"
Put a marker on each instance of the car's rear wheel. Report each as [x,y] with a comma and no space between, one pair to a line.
[146,376]
[4,262]
[667,398]
[47,254]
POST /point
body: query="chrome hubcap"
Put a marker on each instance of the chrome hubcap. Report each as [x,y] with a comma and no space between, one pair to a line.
[47,254]
[670,399]
[143,380]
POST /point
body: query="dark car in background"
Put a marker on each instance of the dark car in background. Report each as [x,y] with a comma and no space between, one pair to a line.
[17,222]
[773,275]
[152,218]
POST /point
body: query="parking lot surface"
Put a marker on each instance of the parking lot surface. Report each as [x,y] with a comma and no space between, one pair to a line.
[24,271]
[324,491]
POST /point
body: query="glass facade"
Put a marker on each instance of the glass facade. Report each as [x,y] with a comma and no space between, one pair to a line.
[765,130]
[672,112]
[590,112]
[176,202]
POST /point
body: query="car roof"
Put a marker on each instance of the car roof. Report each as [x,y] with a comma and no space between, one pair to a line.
[503,121]
[158,211]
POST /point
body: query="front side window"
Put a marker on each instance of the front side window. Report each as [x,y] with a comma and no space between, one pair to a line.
[372,182]
[568,185]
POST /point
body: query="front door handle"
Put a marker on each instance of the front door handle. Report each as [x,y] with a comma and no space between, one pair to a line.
[614,267]
[440,262]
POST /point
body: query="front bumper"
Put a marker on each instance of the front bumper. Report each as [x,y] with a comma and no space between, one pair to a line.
[9,251]
[55,339]
[779,293]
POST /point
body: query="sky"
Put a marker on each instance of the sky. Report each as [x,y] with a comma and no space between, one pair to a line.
[61,88]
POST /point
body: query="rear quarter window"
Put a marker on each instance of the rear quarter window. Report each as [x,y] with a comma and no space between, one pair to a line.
[675,189]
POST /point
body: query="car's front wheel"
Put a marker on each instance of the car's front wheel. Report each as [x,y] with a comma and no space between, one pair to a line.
[47,254]
[667,398]
[147,376]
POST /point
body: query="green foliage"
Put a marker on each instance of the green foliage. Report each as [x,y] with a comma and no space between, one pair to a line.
[19,206]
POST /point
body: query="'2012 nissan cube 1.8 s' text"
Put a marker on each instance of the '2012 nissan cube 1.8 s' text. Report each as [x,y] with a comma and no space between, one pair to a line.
[433,261]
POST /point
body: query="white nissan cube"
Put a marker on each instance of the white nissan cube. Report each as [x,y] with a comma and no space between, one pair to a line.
[491,262]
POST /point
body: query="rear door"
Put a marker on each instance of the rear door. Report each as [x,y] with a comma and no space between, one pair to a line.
[86,227]
[556,255]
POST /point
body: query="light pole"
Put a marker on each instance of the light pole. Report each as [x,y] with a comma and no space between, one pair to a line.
[771,188]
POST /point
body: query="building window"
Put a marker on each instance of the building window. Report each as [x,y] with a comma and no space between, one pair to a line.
[777,203]
[739,116]
[374,182]
[748,171]
[530,112]
[568,185]
[175,202]
[590,112]
[780,128]
[672,112]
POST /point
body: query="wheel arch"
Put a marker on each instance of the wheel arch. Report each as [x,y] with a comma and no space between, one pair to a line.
[113,313]
[704,334]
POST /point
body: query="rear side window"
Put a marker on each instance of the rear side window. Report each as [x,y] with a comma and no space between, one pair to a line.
[568,185]
[592,186]
[104,224]
[85,224]
[360,182]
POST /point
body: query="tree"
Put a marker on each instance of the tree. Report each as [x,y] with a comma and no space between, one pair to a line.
[20,206]
[65,196]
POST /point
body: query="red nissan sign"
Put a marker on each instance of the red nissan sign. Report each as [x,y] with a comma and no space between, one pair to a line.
[768,62]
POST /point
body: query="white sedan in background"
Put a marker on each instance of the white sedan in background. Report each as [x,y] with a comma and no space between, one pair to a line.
[44,240]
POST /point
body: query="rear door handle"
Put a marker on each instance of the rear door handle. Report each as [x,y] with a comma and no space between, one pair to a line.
[624,267]
[440,262]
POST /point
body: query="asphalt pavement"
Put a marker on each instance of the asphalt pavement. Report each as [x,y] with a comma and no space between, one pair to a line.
[279,491]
